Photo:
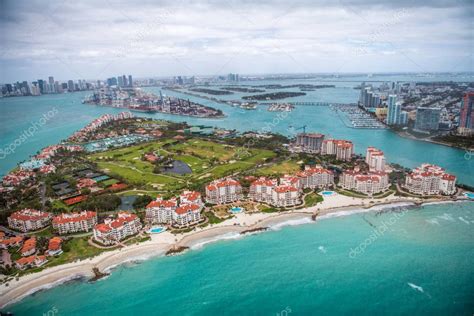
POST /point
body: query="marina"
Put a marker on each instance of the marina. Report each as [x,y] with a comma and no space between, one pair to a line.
[354,117]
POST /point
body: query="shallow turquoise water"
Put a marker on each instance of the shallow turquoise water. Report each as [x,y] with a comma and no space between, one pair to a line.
[307,269]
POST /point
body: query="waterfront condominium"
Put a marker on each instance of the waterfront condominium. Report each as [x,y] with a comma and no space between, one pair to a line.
[160,211]
[430,180]
[375,158]
[223,191]
[67,223]
[261,189]
[310,142]
[394,109]
[113,230]
[28,220]
[285,195]
[163,211]
[371,183]
[187,214]
[342,149]
[315,177]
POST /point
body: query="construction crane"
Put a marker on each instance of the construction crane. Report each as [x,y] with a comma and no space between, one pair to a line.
[298,128]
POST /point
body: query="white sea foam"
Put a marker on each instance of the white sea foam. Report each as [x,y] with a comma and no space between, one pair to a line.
[446,217]
[135,259]
[227,236]
[416,287]
[433,221]
[463,220]
[322,249]
[291,222]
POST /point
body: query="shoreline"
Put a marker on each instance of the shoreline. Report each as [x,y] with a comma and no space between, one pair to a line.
[161,243]
[437,142]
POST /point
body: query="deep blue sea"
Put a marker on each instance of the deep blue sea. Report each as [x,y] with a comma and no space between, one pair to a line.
[422,264]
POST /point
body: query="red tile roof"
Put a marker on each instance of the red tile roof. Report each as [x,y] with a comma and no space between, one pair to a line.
[187,207]
[29,215]
[54,244]
[285,188]
[29,245]
[74,217]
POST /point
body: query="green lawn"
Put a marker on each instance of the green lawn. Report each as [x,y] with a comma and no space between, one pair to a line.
[312,199]
[284,167]
[207,160]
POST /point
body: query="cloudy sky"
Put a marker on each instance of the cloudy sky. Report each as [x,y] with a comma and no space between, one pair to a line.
[98,39]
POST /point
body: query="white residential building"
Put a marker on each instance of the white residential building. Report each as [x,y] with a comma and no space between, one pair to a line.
[285,195]
[67,223]
[187,214]
[28,220]
[375,158]
[223,191]
[342,149]
[261,189]
[113,230]
[315,177]
[430,180]
[160,211]
[369,184]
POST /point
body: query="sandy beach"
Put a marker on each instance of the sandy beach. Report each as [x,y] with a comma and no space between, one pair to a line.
[337,205]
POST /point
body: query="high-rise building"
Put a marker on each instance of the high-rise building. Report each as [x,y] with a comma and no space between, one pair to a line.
[467,112]
[310,142]
[394,109]
[112,81]
[120,81]
[130,81]
[427,119]
[403,118]
[70,85]
[124,79]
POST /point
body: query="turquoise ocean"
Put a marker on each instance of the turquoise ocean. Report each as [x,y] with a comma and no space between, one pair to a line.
[422,264]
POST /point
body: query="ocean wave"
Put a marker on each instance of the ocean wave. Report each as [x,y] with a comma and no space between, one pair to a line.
[433,221]
[446,217]
[134,260]
[291,222]
[227,236]
[45,287]
[464,220]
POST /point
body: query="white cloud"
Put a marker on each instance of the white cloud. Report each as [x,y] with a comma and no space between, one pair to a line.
[201,37]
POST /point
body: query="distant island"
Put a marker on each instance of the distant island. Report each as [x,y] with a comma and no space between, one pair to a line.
[301,86]
[241,89]
[136,99]
[274,96]
[211,91]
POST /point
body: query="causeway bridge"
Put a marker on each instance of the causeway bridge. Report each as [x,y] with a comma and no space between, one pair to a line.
[310,103]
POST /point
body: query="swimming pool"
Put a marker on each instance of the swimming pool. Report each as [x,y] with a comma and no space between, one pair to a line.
[157,230]
[236,209]
[469,195]
[328,193]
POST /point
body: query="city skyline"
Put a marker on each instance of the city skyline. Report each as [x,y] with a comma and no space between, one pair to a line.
[269,37]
